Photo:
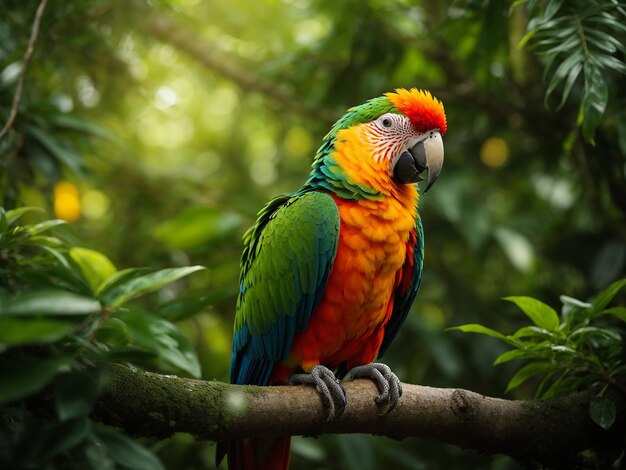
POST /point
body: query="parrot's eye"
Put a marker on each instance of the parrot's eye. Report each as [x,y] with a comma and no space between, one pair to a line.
[386,122]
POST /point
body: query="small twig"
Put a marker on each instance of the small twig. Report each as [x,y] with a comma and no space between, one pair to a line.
[104,316]
[20,81]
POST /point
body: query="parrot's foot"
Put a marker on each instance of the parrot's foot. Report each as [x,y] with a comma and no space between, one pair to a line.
[329,387]
[388,383]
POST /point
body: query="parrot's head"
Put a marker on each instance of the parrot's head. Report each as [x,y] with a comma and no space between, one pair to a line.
[383,145]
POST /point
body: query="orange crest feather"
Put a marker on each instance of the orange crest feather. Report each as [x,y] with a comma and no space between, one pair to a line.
[425,111]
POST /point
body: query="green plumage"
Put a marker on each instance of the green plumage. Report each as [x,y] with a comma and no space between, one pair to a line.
[285,266]
[325,173]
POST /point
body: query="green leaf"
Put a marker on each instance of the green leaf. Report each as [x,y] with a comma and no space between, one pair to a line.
[569,83]
[566,300]
[118,278]
[67,435]
[569,68]
[551,8]
[59,257]
[16,331]
[185,307]
[564,384]
[512,355]
[602,41]
[530,331]
[546,379]
[49,302]
[47,241]
[128,453]
[605,297]
[113,332]
[149,283]
[609,21]
[526,372]
[480,329]
[74,393]
[610,334]
[97,456]
[79,124]
[603,60]
[22,376]
[602,412]
[161,337]
[527,37]
[63,154]
[52,439]
[95,266]
[539,313]
[43,226]
[619,312]
[595,98]
[15,214]
[4,224]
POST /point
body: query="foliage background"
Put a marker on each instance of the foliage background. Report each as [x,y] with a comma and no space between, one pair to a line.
[158,130]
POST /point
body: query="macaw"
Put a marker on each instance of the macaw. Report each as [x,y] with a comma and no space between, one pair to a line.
[329,273]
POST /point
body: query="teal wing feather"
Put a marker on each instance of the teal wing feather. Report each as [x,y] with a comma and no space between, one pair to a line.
[286,263]
[408,283]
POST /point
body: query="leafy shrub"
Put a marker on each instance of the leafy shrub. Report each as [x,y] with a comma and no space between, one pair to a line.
[583,349]
[574,39]
[65,316]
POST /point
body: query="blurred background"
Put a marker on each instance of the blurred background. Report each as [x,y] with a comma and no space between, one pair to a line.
[158,129]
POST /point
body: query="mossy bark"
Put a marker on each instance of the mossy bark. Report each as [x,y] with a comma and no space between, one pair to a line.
[553,432]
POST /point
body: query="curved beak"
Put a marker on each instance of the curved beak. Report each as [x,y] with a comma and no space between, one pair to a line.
[425,155]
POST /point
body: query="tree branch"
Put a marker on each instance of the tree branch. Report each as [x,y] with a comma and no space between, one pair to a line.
[553,431]
[27,55]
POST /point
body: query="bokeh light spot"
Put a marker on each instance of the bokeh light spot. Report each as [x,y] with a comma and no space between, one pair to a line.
[62,101]
[164,53]
[205,163]
[263,172]
[95,204]
[165,97]
[494,152]
[10,73]
[88,95]
[224,101]
[311,30]
[298,141]
[66,201]
[236,402]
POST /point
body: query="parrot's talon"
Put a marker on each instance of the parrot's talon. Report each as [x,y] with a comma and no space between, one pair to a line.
[331,390]
[389,385]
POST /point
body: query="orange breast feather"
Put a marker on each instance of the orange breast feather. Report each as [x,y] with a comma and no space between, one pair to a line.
[348,325]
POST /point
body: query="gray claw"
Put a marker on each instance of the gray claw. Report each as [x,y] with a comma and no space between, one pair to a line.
[388,384]
[329,387]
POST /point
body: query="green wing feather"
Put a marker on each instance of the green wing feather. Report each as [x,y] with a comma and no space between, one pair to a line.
[286,263]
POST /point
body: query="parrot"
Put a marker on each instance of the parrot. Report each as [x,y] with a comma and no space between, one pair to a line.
[329,273]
